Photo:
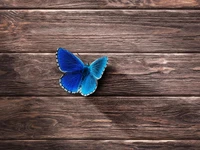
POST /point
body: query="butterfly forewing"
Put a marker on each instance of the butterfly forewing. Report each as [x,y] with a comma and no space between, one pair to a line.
[68,62]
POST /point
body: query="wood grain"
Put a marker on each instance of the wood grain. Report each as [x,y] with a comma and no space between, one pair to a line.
[148,98]
[100,4]
[100,30]
[126,74]
[136,118]
[100,144]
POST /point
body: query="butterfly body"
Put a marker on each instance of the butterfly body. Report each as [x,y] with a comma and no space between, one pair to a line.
[79,77]
[86,71]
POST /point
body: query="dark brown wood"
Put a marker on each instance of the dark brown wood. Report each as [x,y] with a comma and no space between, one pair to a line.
[138,118]
[148,98]
[126,74]
[100,4]
[100,145]
[100,30]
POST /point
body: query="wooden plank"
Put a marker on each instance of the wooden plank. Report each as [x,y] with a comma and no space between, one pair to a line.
[100,30]
[126,74]
[100,4]
[136,118]
[100,144]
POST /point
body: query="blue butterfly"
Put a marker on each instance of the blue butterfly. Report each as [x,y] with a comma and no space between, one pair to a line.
[79,77]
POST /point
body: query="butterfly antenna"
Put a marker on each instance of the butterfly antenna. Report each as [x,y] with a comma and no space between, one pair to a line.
[79,55]
[82,58]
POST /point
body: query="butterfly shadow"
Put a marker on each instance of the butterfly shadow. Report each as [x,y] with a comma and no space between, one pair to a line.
[120,108]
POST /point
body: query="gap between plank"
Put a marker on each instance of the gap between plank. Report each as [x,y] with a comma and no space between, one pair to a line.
[96,52]
[92,9]
[108,139]
[170,96]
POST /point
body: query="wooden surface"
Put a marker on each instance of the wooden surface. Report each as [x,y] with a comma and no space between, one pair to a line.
[148,98]
[138,118]
[99,4]
[127,74]
[97,31]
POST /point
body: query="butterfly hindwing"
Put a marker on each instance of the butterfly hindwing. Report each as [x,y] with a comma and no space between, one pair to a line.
[71,81]
[68,62]
[88,85]
[98,66]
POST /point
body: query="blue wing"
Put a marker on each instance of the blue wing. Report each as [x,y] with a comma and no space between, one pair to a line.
[98,66]
[88,85]
[68,62]
[71,81]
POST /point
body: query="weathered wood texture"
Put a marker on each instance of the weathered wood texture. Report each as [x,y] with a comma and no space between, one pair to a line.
[100,30]
[139,118]
[148,97]
[126,74]
[100,4]
[100,145]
